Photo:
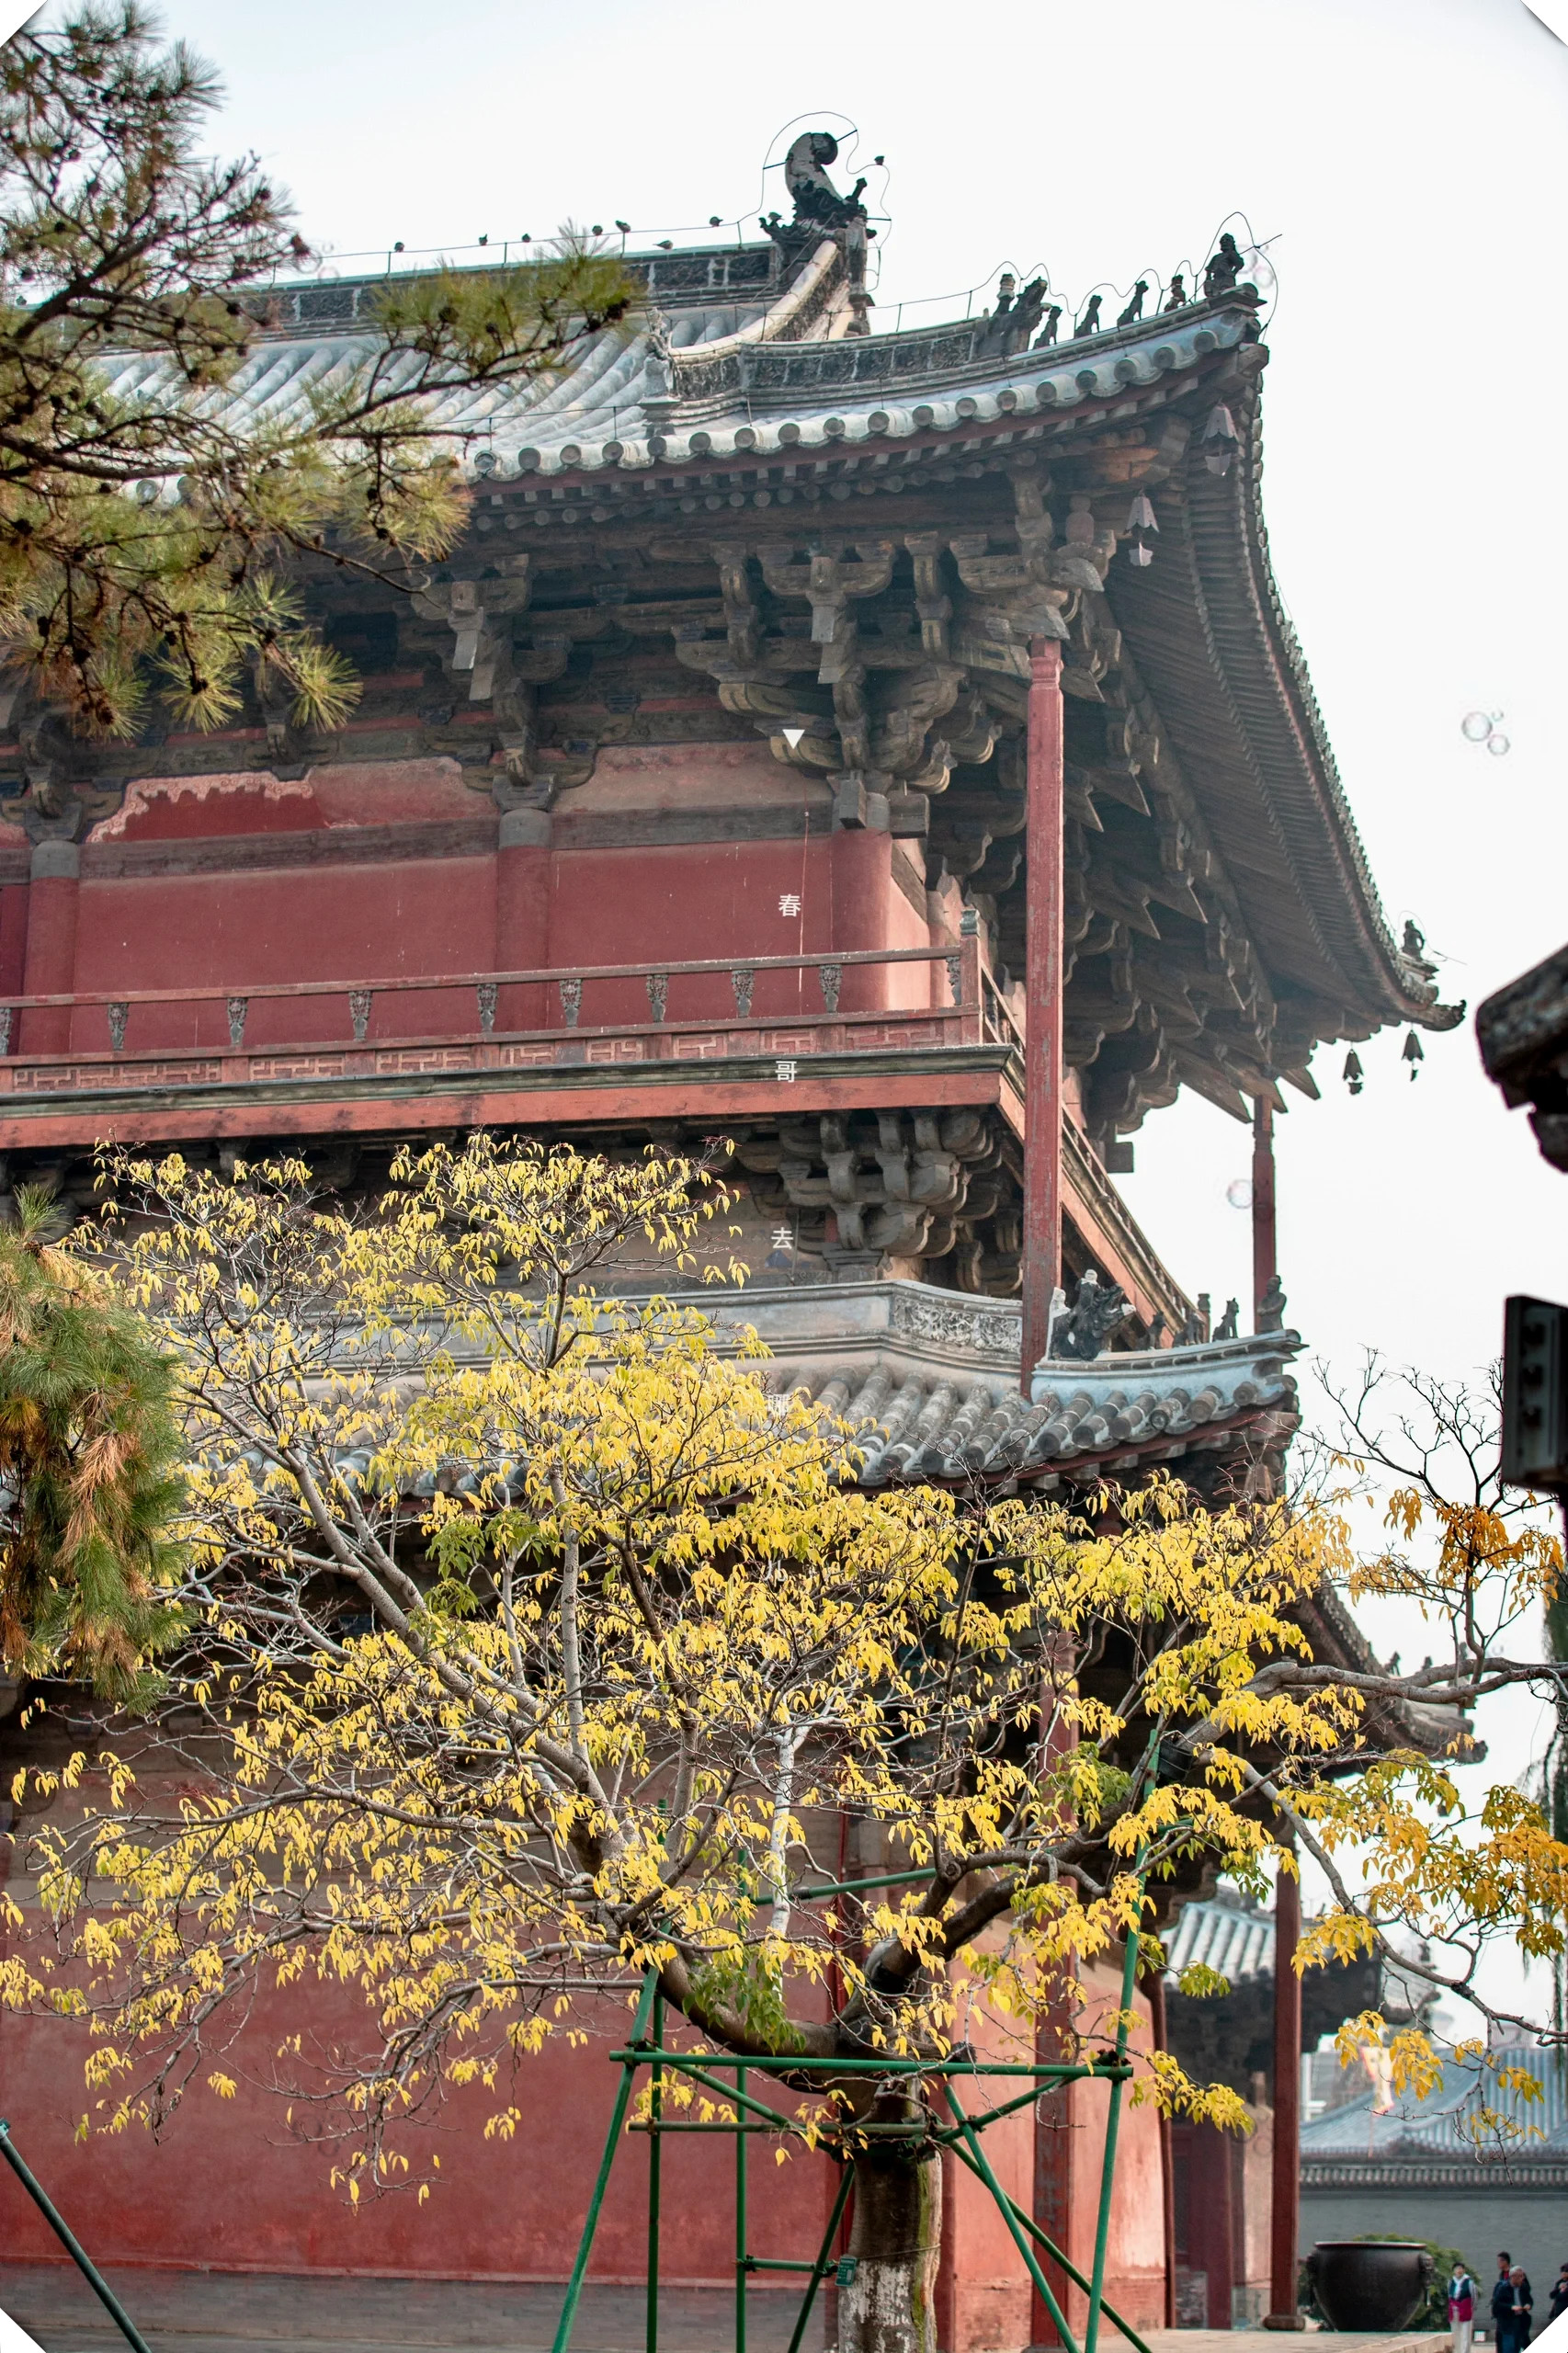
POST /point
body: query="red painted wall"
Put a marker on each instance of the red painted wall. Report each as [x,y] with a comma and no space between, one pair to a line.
[613,906]
[1068,2159]
[13,936]
[784,885]
[230,2187]
[984,2295]
[232,931]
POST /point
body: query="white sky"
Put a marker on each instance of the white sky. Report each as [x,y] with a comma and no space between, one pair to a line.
[1407,154]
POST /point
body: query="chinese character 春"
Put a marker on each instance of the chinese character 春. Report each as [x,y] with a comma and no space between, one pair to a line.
[789,902]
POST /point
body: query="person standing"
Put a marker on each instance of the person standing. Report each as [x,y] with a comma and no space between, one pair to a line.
[1502,2300]
[1520,2313]
[1559,2304]
[1462,2307]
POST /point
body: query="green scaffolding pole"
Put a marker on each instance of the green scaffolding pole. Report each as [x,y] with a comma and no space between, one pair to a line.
[655,2149]
[824,2262]
[591,2220]
[1042,2239]
[740,2222]
[646,2048]
[69,2241]
[981,2165]
[1112,2123]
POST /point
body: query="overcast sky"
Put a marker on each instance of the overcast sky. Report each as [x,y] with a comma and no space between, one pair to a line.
[1405,157]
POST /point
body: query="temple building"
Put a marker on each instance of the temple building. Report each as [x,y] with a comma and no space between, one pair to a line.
[885,753]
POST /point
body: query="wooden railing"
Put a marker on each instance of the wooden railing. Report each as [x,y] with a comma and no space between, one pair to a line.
[498,1019]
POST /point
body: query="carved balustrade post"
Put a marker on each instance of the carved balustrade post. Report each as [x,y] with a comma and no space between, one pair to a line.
[972,981]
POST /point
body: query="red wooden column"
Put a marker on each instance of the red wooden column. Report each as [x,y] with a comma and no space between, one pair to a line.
[1284,2202]
[1043,1053]
[522,914]
[1159,2037]
[49,969]
[1264,1254]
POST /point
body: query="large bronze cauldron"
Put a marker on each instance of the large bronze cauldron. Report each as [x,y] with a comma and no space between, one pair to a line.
[1369,2283]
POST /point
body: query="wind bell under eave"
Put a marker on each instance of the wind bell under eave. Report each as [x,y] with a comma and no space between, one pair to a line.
[1141,526]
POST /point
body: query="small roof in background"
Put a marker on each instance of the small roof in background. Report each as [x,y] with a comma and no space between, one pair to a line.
[1450,2120]
[1227,1934]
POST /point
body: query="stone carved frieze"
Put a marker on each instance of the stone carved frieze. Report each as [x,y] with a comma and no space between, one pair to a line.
[954,1326]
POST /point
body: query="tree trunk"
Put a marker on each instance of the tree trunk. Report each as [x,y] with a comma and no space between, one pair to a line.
[889,2303]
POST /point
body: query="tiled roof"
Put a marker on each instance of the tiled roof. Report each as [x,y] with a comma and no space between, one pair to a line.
[1447,2120]
[760,376]
[582,414]
[928,1382]
[746,378]
[1233,1938]
[1118,1414]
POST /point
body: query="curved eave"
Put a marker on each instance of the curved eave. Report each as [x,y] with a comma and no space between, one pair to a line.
[1209,628]
[758,400]
[1204,620]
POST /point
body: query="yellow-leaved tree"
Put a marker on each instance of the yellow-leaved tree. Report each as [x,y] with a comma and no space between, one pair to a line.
[540,1642]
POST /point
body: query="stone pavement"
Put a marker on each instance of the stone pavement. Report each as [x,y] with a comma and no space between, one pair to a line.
[211,2312]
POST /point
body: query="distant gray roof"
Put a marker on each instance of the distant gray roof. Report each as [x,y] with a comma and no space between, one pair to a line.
[1445,2125]
[1234,1939]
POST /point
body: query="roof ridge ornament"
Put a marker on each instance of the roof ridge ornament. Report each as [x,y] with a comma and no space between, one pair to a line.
[805,176]
[1097,1309]
[1222,269]
[821,210]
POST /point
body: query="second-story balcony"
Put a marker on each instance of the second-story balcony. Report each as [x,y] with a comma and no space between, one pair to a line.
[709,1042]
[268,1058]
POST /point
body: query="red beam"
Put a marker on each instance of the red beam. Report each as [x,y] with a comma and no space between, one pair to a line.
[1042,1056]
[487,1100]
